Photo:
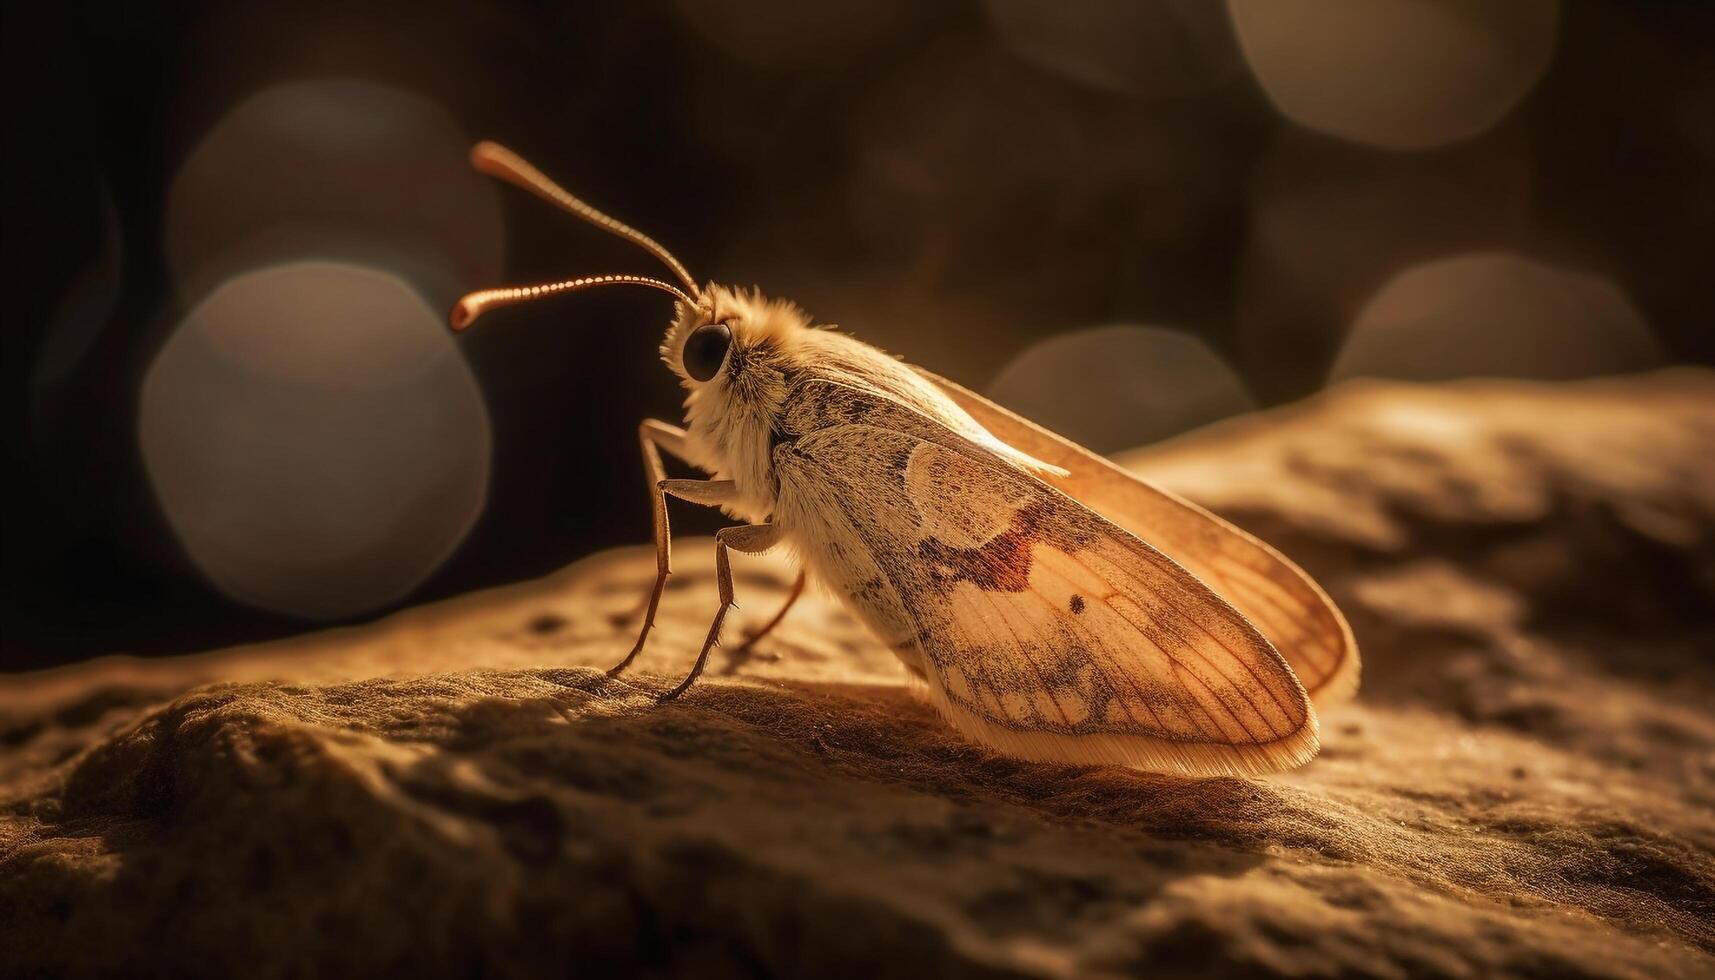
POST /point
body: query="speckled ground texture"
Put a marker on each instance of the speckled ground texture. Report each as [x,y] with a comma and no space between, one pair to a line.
[1524,786]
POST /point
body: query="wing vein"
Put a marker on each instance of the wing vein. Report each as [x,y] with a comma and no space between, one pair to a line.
[1286,710]
[1096,644]
[1023,648]
[1178,664]
[1257,587]
[1213,667]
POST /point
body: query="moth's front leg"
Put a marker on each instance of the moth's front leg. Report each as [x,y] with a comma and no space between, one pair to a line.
[655,435]
[752,539]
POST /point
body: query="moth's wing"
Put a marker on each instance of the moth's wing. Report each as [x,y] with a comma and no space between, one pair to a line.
[1046,631]
[1278,596]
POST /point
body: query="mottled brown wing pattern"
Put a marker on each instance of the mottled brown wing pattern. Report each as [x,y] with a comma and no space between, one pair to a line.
[1044,629]
[1273,592]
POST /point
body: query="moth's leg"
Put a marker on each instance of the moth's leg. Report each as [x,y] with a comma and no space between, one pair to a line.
[710,493]
[768,627]
[752,539]
[655,436]
[665,435]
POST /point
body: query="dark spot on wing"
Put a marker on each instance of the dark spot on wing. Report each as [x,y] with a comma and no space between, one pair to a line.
[1077,605]
[1000,564]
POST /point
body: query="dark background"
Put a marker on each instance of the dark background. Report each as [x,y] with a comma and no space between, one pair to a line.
[899,168]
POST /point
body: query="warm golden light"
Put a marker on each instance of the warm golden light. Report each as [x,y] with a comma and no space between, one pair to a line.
[1157,488]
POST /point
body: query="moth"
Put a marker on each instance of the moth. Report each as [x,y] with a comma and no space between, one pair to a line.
[1053,606]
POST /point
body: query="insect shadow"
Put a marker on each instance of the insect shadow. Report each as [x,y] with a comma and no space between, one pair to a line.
[882,733]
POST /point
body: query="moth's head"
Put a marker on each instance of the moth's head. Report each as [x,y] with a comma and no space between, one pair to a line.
[716,337]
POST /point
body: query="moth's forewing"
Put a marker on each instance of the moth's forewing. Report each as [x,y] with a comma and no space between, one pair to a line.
[1043,629]
[1282,600]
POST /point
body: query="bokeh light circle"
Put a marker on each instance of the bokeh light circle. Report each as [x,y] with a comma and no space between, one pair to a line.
[1330,222]
[1117,387]
[317,442]
[1400,74]
[1496,314]
[335,169]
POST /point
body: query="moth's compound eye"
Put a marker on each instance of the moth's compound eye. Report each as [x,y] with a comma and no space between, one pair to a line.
[705,349]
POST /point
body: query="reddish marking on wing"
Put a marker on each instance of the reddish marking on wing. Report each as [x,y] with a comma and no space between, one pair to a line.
[1000,564]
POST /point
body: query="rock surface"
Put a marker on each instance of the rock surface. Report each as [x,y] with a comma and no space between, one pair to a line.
[1524,785]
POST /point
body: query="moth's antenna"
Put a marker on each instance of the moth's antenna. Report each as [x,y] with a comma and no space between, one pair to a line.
[497,161]
[476,304]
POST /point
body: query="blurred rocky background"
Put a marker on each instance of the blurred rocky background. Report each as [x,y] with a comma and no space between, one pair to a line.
[231,231]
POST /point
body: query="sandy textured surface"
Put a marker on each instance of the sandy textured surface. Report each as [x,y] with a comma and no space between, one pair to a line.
[1525,784]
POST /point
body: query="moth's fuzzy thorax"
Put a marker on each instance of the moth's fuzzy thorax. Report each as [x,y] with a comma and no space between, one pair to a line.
[730,416]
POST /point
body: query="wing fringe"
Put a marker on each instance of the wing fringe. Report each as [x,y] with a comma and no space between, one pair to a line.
[1136,751]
